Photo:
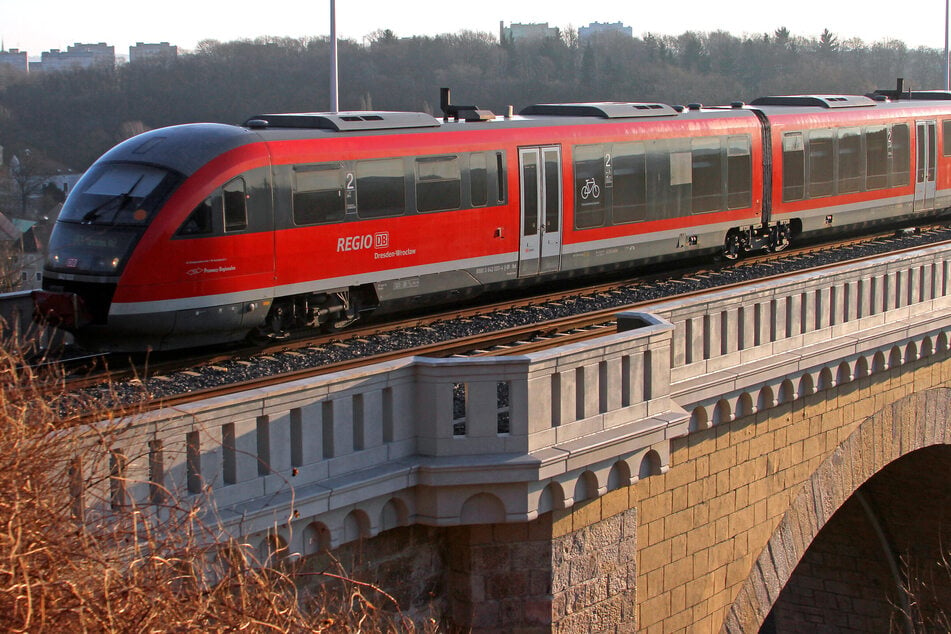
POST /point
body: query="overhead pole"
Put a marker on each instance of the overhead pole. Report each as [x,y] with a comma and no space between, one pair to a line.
[947,59]
[334,100]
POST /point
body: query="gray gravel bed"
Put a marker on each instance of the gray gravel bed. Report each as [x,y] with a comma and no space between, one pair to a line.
[353,348]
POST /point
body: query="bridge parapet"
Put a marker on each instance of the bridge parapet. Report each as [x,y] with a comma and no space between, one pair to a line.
[433,441]
[320,462]
[735,353]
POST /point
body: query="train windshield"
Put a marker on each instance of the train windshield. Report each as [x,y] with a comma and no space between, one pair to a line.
[105,215]
[118,194]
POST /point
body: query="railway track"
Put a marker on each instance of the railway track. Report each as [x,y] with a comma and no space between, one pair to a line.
[584,313]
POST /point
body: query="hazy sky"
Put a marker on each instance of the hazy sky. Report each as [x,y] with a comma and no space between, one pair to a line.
[40,25]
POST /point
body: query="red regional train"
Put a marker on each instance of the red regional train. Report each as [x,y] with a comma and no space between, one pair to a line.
[205,233]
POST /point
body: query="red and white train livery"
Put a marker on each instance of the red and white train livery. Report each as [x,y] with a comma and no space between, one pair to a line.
[204,233]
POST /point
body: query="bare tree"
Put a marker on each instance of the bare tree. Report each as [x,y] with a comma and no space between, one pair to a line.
[28,177]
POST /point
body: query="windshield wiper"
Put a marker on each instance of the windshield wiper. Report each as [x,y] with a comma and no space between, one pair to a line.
[124,197]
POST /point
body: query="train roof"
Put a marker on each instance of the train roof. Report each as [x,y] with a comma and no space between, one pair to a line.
[188,147]
[185,147]
[816,101]
[603,110]
[344,121]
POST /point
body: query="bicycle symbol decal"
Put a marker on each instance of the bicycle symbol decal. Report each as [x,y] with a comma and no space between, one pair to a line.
[590,189]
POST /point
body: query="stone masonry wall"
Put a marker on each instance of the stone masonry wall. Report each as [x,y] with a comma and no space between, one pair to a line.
[670,553]
[564,572]
[703,524]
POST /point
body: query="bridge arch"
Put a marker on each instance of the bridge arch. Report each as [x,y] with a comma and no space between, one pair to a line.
[619,476]
[483,508]
[913,423]
[586,487]
[316,538]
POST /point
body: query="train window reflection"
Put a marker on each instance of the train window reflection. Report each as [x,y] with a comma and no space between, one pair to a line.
[630,182]
[706,169]
[318,194]
[794,167]
[235,204]
[739,175]
[381,190]
[199,222]
[118,194]
[850,159]
[820,163]
[438,184]
[901,155]
[876,157]
[478,180]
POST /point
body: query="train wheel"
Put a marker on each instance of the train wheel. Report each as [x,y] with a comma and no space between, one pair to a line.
[274,326]
[345,313]
[733,246]
[779,238]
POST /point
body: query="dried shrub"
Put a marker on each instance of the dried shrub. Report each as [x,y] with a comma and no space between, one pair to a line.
[155,567]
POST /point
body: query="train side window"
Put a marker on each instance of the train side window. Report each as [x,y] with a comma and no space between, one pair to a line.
[381,189]
[706,169]
[552,160]
[530,200]
[500,174]
[876,157]
[850,159]
[946,137]
[739,173]
[794,167]
[318,194]
[630,183]
[478,180]
[820,160]
[236,205]
[438,183]
[901,155]
[590,186]
[199,221]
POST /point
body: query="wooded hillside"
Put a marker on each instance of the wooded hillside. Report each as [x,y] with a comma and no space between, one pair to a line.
[73,117]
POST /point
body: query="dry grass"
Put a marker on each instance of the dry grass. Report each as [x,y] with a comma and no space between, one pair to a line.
[132,569]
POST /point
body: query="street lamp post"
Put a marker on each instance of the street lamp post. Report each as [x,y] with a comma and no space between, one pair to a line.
[334,101]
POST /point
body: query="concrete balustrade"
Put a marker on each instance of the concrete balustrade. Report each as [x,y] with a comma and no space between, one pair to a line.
[434,441]
[318,462]
[781,338]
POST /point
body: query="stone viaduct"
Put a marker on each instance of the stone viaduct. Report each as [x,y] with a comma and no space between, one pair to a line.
[772,458]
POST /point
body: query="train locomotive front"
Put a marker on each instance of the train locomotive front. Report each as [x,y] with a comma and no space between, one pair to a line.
[124,270]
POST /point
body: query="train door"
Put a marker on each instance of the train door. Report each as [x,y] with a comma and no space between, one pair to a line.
[925,165]
[541,205]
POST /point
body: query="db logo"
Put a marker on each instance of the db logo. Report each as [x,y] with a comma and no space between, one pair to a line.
[194,271]
[380,240]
